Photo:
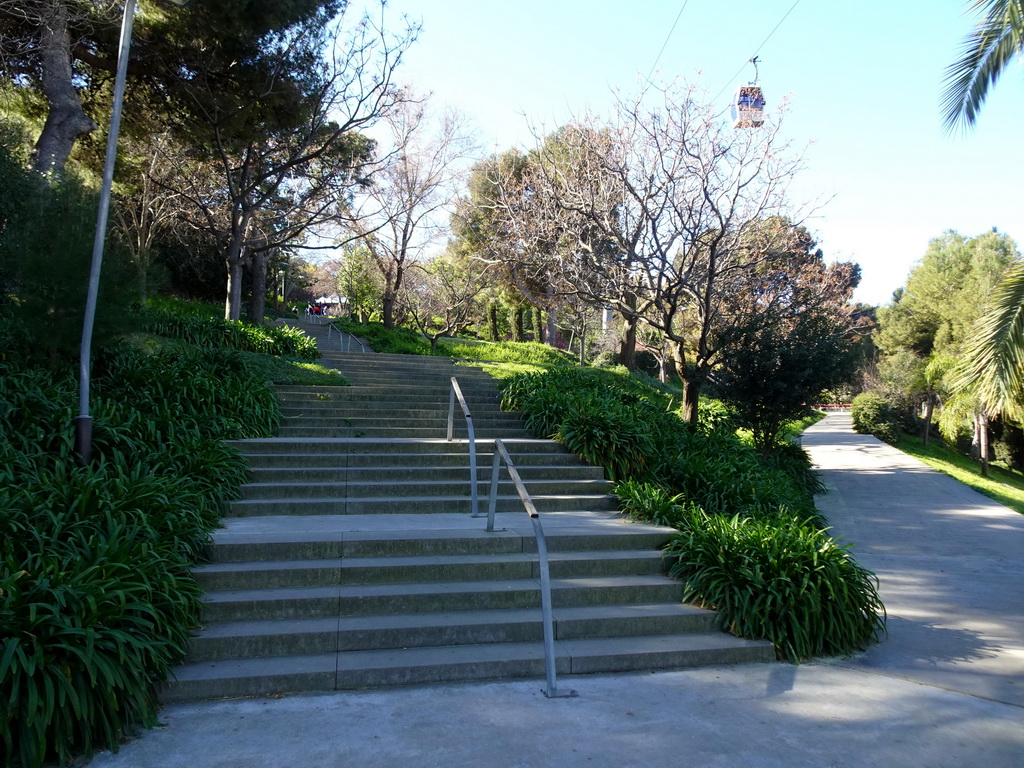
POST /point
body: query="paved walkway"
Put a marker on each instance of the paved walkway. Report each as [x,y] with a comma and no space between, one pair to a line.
[950,562]
[945,689]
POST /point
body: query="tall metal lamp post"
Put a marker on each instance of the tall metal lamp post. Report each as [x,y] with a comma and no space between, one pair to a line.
[83,423]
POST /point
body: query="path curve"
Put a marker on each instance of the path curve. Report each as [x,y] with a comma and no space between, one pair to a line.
[950,563]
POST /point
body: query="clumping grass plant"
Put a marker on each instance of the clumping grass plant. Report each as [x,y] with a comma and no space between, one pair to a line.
[96,598]
[751,545]
[191,323]
[783,580]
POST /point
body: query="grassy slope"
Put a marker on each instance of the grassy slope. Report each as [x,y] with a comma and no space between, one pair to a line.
[1005,486]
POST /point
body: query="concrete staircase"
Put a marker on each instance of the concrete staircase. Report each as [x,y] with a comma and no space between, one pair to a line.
[351,560]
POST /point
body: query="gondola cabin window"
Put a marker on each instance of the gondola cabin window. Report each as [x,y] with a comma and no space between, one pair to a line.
[748,107]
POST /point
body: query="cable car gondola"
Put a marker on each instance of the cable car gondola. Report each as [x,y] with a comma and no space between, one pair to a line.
[747,108]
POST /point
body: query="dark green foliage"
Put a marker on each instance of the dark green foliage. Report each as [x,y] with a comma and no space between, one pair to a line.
[46,242]
[723,476]
[651,502]
[753,545]
[715,416]
[770,371]
[874,414]
[781,580]
[191,324]
[615,427]
[96,600]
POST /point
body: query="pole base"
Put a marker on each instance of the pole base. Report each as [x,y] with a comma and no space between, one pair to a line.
[83,438]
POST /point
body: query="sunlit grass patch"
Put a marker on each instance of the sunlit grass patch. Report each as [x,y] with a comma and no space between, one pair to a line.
[1004,485]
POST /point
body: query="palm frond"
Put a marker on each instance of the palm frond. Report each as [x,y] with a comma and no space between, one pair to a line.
[985,53]
[994,360]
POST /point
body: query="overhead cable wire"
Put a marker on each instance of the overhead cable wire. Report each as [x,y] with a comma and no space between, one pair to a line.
[754,55]
[667,38]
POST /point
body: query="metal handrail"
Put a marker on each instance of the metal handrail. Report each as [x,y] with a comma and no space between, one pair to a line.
[547,614]
[471,434]
[344,346]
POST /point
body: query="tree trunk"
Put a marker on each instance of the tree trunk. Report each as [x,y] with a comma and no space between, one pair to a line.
[538,326]
[258,299]
[552,337]
[692,382]
[492,321]
[65,120]
[981,420]
[233,302]
[929,408]
[627,342]
[517,324]
[388,306]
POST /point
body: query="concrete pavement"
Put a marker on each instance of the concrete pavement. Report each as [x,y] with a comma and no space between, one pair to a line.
[945,689]
[950,562]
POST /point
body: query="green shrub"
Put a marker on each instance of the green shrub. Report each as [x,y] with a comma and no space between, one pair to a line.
[613,427]
[715,416]
[603,431]
[783,580]
[398,341]
[753,544]
[96,599]
[874,414]
[650,502]
[191,322]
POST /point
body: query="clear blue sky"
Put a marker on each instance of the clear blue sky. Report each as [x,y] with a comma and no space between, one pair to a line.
[864,79]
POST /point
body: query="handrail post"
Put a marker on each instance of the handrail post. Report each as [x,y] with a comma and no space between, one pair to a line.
[451,413]
[474,491]
[547,613]
[492,501]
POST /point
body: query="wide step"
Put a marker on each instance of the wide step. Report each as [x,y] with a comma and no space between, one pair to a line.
[351,559]
[445,664]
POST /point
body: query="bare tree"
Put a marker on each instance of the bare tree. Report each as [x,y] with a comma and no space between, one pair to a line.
[400,214]
[263,178]
[147,209]
[442,295]
[658,211]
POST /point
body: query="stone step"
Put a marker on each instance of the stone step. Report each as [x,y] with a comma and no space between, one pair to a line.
[486,661]
[352,560]
[431,597]
[395,410]
[433,568]
[287,637]
[418,488]
[381,446]
[395,474]
[483,432]
[402,461]
[243,546]
[412,505]
[438,422]
[395,392]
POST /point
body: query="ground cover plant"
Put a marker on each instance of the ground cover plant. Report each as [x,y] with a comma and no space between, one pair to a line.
[192,322]
[96,599]
[751,543]
[406,341]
